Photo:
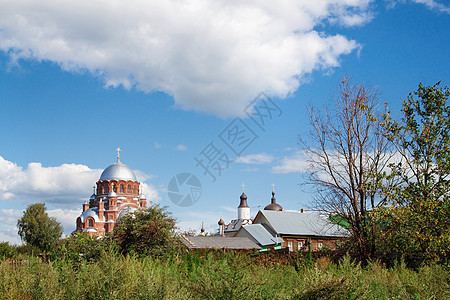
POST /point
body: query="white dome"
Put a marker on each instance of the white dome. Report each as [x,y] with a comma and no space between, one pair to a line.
[118,171]
[127,210]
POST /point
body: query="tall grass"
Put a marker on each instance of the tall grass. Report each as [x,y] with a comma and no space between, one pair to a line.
[216,275]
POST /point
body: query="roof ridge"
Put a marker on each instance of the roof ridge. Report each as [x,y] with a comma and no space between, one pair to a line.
[187,240]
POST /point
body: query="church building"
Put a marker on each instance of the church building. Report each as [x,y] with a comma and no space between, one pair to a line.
[116,194]
[275,228]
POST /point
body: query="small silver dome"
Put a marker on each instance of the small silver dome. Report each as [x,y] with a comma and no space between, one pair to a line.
[142,196]
[93,197]
[118,171]
[112,194]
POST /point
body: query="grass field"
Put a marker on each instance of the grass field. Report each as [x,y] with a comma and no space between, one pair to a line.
[216,275]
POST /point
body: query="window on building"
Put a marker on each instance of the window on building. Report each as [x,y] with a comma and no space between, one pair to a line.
[129,189]
[300,246]
[121,188]
[91,223]
[290,246]
[106,189]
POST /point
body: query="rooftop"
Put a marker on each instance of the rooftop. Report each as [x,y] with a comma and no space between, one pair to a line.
[218,242]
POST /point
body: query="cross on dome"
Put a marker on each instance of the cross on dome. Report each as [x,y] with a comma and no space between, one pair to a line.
[118,153]
[243,187]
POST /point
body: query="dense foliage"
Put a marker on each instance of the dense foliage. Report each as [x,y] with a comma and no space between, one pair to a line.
[216,275]
[149,232]
[415,220]
[38,229]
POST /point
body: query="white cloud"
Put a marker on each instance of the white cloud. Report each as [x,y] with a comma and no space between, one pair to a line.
[430,4]
[157,145]
[181,147]
[9,217]
[255,159]
[210,55]
[8,225]
[295,163]
[66,217]
[433,5]
[150,192]
[64,186]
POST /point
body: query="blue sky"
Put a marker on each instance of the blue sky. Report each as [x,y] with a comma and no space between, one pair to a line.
[163,80]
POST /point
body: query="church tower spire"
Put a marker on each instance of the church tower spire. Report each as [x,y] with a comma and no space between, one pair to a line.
[243,208]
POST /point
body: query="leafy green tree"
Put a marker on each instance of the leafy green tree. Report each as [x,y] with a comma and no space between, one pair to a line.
[416,216]
[36,228]
[7,250]
[149,232]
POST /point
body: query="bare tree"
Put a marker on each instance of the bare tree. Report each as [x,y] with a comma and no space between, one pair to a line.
[346,154]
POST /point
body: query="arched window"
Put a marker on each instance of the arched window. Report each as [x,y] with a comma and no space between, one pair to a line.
[129,189]
[91,223]
[106,189]
[121,188]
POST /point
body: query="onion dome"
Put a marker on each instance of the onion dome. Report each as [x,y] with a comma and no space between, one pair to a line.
[118,171]
[243,201]
[93,197]
[221,222]
[142,196]
[273,205]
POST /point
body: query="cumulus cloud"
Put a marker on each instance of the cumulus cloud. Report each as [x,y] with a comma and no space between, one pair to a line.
[255,159]
[9,217]
[210,55]
[66,184]
[63,186]
[8,225]
[295,163]
[66,217]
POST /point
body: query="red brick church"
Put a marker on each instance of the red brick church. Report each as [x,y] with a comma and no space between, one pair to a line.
[117,193]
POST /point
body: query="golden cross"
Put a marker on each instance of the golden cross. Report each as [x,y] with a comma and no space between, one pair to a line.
[94,189]
[273,187]
[243,186]
[118,153]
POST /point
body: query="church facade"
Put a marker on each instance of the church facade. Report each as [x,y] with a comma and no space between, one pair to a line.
[116,194]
